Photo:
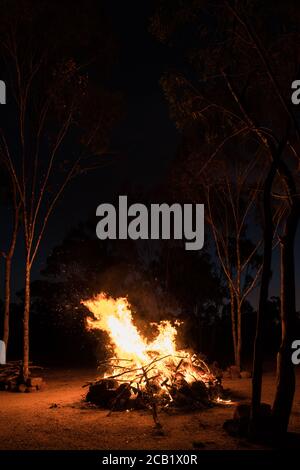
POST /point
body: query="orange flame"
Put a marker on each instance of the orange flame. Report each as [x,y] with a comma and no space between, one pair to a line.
[160,357]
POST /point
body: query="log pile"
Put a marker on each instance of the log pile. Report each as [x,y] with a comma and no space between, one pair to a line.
[141,388]
[110,394]
[10,378]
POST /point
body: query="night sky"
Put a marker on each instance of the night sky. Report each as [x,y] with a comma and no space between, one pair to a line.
[146,139]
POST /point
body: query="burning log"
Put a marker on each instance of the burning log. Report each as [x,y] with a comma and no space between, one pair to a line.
[103,392]
[145,391]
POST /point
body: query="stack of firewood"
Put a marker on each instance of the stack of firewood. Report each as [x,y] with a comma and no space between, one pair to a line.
[11,378]
[145,389]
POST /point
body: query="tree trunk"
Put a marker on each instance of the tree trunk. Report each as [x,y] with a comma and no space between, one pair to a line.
[239,335]
[25,368]
[238,298]
[285,369]
[8,261]
[7,301]
[233,323]
[263,300]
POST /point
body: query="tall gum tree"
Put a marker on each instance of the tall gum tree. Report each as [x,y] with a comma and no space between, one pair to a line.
[61,120]
[7,254]
[240,61]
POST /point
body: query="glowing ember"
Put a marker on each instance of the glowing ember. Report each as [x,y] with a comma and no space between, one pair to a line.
[139,361]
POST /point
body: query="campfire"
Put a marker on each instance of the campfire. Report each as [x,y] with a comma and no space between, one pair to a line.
[146,373]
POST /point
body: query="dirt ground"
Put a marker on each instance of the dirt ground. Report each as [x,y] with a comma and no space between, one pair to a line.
[58,419]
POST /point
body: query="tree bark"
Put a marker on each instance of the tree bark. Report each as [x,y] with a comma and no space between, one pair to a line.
[25,367]
[263,300]
[285,369]
[239,335]
[233,323]
[8,261]
[7,301]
